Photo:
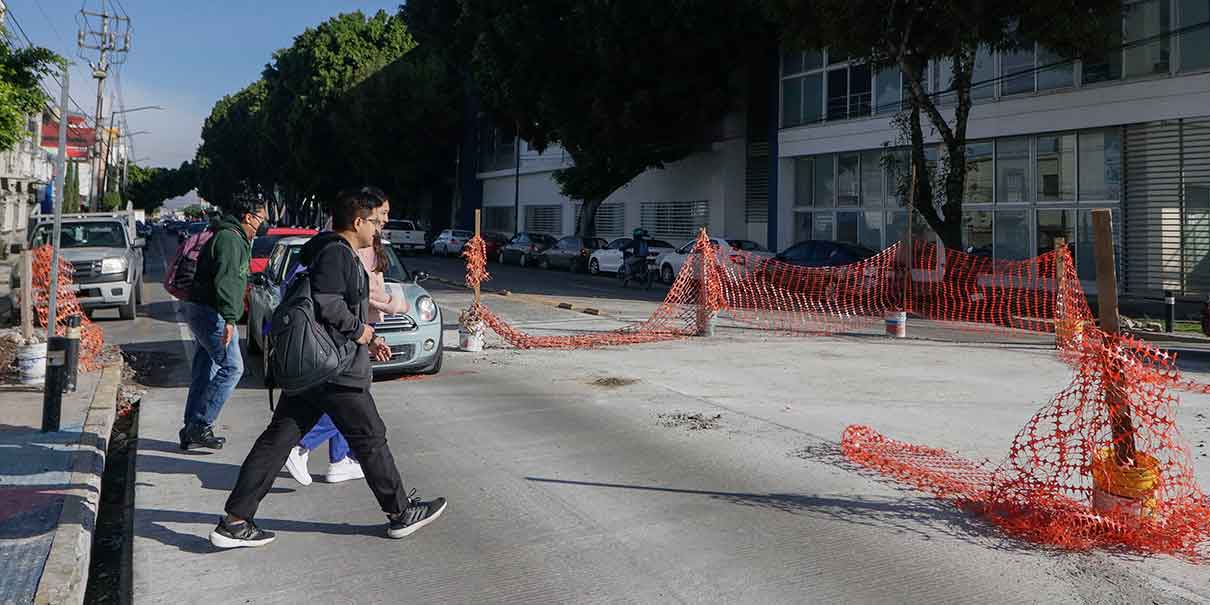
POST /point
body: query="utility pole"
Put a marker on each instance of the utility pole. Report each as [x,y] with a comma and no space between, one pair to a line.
[111,47]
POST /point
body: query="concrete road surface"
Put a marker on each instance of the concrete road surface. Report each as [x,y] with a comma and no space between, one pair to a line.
[576,477]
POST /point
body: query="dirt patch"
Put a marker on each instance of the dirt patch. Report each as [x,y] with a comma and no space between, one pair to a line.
[612,382]
[692,422]
[152,368]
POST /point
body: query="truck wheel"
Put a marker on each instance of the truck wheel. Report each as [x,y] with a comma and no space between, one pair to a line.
[594,267]
[127,311]
[138,290]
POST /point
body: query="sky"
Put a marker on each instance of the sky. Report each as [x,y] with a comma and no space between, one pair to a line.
[185,55]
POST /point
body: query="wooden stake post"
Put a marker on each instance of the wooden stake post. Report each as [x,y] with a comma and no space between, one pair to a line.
[1063,330]
[1107,304]
[477,213]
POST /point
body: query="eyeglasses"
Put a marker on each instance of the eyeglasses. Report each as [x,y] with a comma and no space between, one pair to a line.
[377,222]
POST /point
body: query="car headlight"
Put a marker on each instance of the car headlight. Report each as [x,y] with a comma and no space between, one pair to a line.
[113,265]
[426,308]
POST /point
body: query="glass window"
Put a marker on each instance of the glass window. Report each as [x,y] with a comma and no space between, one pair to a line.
[1195,44]
[838,94]
[871,179]
[848,184]
[1056,167]
[895,222]
[847,226]
[791,63]
[1146,20]
[824,180]
[1017,67]
[1086,264]
[812,94]
[812,59]
[835,56]
[871,230]
[898,166]
[1100,165]
[803,224]
[943,81]
[1052,224]
[803,173]
[979,175]
[791,102]
[822,226]
[859,90]
[888,92]
[1107,66]
[977,232]
[1012,166]
[1054,70]
[983,76]
[1012,235]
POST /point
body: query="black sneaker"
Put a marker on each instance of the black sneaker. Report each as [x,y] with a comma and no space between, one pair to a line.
[416,515]
[192,439]
[236,535]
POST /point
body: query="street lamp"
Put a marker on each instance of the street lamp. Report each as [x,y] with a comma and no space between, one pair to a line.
[103,170]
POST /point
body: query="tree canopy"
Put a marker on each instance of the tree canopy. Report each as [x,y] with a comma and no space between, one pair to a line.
[21,70]
[909,34]
[621,90]
[149,188]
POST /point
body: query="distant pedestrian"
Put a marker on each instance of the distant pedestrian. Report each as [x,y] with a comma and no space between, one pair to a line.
[340,290]
[216,303]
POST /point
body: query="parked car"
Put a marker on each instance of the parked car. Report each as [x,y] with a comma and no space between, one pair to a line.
[106,255]
[821,253]
[404,236]
[450,242]
[415,337]
[492,244]
[670,263]
[142,229]
[262,245]
[524,248]
[569,253]
[609,258]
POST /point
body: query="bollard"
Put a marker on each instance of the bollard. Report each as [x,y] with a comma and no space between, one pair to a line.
[52,392]
[71,367]
[1169,311]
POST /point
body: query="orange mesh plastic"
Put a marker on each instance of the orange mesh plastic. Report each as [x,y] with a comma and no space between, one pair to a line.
[92,338]
[1113,424]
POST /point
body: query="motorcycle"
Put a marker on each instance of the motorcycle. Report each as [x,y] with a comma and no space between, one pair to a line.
[646,278]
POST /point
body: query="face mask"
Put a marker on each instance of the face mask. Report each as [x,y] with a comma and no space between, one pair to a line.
[263,230]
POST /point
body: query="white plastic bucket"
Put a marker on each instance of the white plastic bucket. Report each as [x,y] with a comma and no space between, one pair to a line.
[896,324]
[471,340]
[31,363]
[1105,502]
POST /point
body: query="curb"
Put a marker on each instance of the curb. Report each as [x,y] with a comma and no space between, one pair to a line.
[65,575]
[527,297]
[1167,337]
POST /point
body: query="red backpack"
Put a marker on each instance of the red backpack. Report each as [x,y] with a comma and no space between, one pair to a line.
[181,272]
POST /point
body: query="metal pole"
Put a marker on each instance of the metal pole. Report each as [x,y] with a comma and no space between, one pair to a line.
[27,294]
[52,391]
[60,182]
[1169,311]
[71,364]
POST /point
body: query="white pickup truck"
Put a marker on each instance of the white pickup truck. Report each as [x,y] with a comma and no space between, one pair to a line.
[404,236]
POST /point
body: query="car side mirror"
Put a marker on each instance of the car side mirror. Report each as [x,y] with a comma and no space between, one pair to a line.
[420,276]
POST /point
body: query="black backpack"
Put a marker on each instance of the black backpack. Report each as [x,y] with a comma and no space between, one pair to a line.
[303,354]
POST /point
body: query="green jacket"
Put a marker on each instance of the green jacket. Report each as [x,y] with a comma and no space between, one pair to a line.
[222,269]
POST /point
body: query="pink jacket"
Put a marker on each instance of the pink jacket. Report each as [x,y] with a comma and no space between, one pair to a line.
[381,302]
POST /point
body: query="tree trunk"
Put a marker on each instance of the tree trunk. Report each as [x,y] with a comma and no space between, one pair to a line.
[586,226]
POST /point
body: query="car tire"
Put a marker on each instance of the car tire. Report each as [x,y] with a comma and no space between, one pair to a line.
[544,263]
[436,367]
[594,267]
[524,262]
[138,290]
[666,274]
[127,310]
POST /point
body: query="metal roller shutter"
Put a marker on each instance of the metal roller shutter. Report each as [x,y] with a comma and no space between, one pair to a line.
[544,219]
[675,220]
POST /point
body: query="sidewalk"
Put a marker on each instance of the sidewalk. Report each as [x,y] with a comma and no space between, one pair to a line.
[50,484]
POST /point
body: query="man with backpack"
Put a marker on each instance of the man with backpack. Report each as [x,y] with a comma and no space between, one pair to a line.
[338,291]
[214,306]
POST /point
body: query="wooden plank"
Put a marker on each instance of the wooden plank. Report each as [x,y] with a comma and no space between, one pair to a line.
[1116,400]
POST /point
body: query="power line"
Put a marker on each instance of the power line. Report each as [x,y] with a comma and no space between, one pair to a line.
[50,96]
[49,22]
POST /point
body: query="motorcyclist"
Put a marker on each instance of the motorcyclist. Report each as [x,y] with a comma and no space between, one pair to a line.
[636,254]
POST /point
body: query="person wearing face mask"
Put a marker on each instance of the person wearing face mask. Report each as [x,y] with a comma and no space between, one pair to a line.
[215,305]
[342,464]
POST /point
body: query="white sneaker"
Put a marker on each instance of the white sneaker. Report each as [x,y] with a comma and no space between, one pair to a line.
[297,465]
[344,470]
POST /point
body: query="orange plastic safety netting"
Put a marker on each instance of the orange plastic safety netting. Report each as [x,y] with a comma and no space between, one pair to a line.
[1102,465]
[92,338]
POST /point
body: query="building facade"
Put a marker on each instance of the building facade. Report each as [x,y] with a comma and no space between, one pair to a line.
[25,171]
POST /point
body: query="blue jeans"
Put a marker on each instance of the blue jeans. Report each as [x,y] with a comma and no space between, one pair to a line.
[324,430]
[216,369]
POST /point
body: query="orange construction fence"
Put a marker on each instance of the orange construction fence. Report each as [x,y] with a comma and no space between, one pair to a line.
[92,338]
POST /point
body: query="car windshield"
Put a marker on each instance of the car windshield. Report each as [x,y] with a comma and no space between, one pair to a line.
[262,246]
[463,234]
[82,235]
[395,272]
[401,225]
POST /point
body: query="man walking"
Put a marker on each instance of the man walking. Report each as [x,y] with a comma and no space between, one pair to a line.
[340,289]
[216,303]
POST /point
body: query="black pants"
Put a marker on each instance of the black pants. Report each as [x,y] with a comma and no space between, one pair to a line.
[353,412]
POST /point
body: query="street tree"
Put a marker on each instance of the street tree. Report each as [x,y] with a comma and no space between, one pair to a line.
[622,91]
[149,188]
[911,34]
[71,188]
[21,95]
[233,158]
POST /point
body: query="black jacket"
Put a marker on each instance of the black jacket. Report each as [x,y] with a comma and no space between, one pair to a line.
[342,299]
